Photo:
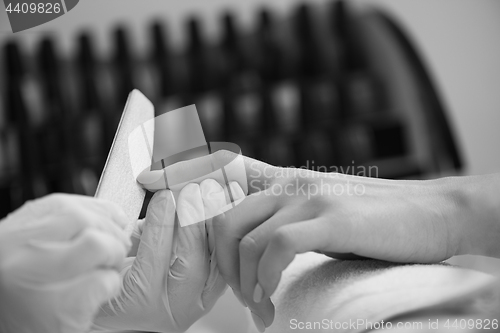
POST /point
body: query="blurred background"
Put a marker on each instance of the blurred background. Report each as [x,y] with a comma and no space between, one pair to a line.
[382,88]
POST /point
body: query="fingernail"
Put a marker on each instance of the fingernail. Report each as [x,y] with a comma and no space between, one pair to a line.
[240,298]
[258,293]
[259,323]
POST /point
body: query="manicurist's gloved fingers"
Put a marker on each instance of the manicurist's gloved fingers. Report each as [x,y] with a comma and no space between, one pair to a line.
[83,296]
[155,249]
[236,192]
[190,270]
[106,208]
[60,217]
[91,249]
[214,198]
[61,203]
[135,236]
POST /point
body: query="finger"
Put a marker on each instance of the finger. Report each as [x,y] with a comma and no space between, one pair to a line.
[190,270]
[236,191]
[157,240]
[190,208]
[233,225]
[251,249]
[97,219]
[109,209]
[257,172]
[135,237]
[342,256]
[92,249]
[101,214]
[194,283]
[230,229]
[58,202]
[63,217]
[83,297]
[291,239]
[214,198]
[188,274]
[254,243]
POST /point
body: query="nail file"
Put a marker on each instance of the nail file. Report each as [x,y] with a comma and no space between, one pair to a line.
[134,149]
[117,183]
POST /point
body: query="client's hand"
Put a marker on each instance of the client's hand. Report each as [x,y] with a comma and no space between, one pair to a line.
[173,280]
[294,210]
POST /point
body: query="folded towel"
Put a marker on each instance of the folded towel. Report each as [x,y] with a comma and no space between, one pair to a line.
[319,294]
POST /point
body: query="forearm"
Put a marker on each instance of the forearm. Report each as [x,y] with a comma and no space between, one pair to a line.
[477,213]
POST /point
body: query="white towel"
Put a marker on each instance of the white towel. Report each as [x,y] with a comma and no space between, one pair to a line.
[317,290]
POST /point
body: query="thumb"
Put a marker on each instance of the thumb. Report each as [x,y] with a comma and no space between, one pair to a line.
[155,248]
[190,269]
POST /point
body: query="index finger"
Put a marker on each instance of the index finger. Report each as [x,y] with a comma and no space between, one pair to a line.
[295,238]
[249,173]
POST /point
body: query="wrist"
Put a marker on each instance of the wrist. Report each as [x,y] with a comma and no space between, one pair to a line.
[476,219]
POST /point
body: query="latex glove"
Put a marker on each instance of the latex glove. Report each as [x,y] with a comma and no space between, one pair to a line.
[59,260]
[174,280]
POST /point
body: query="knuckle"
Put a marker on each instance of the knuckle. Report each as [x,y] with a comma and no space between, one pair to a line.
[46,204]
[94,240]
[59,200]
[80,217]
[223,154]
[248,246]
[219,222]
[55,197]
[282,238]
[160,196]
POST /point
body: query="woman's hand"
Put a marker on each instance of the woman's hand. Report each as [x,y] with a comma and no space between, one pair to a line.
[294,210]
[59,260]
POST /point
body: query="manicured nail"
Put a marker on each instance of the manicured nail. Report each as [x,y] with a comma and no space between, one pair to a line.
[259,323]
[240,298]
[258,293]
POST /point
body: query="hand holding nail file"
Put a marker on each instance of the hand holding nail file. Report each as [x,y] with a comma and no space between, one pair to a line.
[170,152]
[59,261]
[174,278]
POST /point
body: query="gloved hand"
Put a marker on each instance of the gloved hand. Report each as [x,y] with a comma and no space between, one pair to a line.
[174,279]
[59,260]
